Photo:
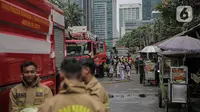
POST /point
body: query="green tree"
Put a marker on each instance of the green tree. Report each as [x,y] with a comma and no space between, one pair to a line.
[73,13]
[164,26]
[168,16]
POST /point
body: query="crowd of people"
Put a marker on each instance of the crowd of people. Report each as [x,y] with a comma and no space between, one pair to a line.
[119,67]
[80,91]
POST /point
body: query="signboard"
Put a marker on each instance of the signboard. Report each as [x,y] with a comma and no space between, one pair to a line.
[179,74]
[77,29]
[17,15]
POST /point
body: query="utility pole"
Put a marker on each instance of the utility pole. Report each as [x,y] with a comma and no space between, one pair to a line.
[140,40]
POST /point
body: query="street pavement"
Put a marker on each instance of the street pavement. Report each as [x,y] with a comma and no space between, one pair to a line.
[131,96]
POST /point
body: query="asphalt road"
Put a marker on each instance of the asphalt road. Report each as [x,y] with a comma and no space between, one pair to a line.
[131,96]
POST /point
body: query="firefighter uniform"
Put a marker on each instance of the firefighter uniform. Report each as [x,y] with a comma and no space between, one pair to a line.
[23,96]
[95,89]
[72,98]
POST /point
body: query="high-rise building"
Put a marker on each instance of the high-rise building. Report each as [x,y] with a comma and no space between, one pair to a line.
[100,19]
[114,3]
[128,12]
[147,7]
[103,20]
[88,8]
[131,25]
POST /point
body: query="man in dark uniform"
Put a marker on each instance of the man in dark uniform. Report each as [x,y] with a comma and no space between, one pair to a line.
[157,73]
[141,66]
[136,65]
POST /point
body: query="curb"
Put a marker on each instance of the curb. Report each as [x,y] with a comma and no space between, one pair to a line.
[116,82]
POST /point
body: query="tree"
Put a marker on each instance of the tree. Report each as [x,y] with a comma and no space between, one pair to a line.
[73,13]
[168,14]
[164,26]
[139,37]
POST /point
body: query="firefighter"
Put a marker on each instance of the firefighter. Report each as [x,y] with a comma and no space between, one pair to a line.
[72,97]
[30,93]
[94,88]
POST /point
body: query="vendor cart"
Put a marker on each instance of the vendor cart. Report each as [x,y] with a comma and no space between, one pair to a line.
[177,87]
[149,77]
[173,82]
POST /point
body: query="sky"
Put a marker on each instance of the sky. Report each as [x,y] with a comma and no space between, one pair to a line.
[124,2]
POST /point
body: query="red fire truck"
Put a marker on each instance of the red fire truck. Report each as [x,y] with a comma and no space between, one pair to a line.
[29,30]
[82,44]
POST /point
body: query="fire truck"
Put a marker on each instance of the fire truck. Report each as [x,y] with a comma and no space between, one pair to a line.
[29,30]
[81,44]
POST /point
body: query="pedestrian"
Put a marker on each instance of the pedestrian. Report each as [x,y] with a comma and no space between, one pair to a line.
[72,96]
[118,64]
[128,71]
[130,64]
[141,65]
[93,86]
[30,93]
[111,71]
[122,68]
[156,72]
[136,64]
[106,67]
[115,67]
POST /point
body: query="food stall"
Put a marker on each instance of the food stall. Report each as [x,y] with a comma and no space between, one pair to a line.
[180,84]
[149,54]
[173,80]
[149,73]
[177,87]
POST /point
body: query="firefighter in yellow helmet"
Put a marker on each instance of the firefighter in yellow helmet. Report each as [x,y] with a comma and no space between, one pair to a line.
[122,59]
[30,93]
[72,97]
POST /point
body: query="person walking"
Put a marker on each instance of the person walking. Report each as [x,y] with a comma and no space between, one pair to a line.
[111,71]
[141,65]
[136,65]
[122,68]
[118,64]
[157,73]
[128,70]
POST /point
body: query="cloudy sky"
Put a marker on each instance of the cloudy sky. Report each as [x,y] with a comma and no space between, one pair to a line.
[124,2]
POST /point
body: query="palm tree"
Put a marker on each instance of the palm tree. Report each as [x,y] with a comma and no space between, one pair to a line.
[73,13]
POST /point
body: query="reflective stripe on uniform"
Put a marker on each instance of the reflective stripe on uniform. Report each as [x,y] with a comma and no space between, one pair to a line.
[107,105]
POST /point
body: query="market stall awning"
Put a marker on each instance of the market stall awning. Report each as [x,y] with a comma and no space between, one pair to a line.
[181,43]
[187,32]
